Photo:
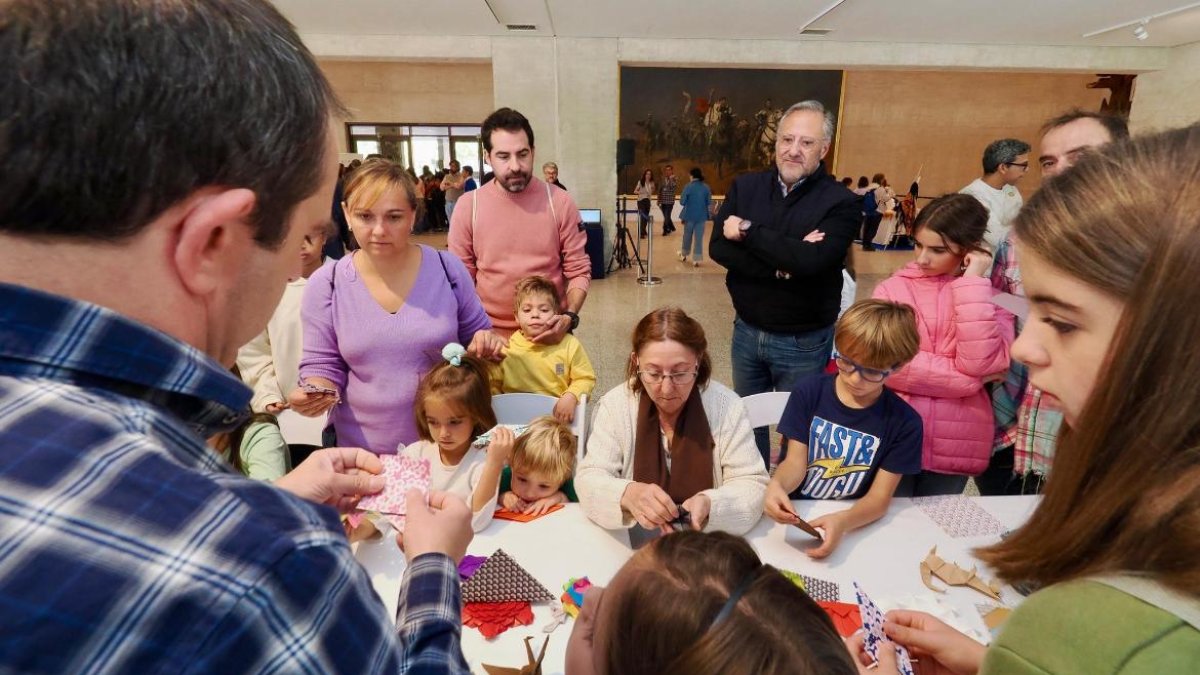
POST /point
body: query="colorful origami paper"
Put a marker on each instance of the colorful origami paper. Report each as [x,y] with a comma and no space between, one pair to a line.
[505,514]
[469,565]
[534,667]
[872,622]
[493,618]
[400,474]
[501,579]
[846,617]
[572,597]
[959,516]
[934,566]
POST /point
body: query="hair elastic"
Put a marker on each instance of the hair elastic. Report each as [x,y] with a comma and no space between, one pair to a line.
[453,353]
[736,595]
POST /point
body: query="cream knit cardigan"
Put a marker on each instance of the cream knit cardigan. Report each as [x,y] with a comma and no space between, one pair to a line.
[607,468]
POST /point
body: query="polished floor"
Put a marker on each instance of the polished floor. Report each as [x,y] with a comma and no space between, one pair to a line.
[616,302]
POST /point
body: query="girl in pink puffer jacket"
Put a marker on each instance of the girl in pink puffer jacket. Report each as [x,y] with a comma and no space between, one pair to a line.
[964,343]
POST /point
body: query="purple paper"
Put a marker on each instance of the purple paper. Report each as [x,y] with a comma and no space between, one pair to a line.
[469,565]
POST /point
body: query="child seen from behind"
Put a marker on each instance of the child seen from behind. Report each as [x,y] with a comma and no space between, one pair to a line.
[562,370]
[849,436]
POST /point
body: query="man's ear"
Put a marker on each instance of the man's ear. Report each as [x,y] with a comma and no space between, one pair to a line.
[212,237]
[825,145]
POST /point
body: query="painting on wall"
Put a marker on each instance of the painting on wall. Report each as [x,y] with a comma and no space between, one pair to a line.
[722,120]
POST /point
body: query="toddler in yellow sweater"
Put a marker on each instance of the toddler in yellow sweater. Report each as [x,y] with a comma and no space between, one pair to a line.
[562,370]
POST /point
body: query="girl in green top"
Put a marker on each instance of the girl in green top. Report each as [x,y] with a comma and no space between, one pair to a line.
[1109,252]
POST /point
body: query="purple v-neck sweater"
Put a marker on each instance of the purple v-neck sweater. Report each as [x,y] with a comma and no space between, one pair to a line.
[375,358]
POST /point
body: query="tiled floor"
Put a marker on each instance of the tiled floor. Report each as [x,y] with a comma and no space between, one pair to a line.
[616,302]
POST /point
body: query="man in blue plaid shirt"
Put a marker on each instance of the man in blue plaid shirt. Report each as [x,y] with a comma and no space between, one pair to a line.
[161,163]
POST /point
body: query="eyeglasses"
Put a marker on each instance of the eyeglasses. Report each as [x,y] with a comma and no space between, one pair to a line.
[678,379]
[1023,165]
[848,367]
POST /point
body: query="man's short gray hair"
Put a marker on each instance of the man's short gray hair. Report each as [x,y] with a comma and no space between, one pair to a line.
[819,108]
[1003,151]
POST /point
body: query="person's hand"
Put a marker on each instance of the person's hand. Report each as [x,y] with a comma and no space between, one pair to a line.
[441,526]
[814,236]
[554,331]
[976,264]
[276,407]
[649,505]
[500,447]
[312,405]
[512,502]
[732,228]
[833,526]
[778,506]
[487,345]
[543,505]
[941,649]
[887,664]
[564,408]
[698,506]
[335,476]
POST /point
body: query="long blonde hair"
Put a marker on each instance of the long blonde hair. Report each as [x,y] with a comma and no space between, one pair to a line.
[1124,493]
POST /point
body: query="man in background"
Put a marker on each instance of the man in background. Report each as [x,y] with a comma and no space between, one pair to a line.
[1005,162]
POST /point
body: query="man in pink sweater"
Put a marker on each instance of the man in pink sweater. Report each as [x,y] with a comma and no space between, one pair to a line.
[517,226]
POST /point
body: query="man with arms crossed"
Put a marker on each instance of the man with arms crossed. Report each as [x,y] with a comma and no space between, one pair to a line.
[157,186]
[783,235]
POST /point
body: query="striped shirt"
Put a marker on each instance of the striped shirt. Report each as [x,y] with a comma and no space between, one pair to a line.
[127,546]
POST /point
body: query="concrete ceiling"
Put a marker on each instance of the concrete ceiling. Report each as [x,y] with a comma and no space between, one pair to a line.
[1011,22]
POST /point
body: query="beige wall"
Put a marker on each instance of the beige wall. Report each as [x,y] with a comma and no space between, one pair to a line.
[383,91]
[1169,97]
[895,121]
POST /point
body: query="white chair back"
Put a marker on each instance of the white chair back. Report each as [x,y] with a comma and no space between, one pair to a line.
[522,408]
[297,429]
[765,409]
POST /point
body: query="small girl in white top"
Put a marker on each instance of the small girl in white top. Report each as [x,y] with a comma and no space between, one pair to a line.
[453,407]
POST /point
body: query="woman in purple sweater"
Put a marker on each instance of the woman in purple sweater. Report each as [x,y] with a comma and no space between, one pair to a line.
[376,321]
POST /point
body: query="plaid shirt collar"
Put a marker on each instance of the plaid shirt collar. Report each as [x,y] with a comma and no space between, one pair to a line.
[50,336]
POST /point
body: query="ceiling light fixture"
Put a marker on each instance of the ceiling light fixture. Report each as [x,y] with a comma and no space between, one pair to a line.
[1139,30]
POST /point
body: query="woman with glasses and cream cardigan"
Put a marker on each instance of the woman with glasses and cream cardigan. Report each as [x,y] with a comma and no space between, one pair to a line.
[668,447]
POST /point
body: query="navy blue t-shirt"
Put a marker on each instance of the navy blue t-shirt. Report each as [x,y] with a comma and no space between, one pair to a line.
[847,446]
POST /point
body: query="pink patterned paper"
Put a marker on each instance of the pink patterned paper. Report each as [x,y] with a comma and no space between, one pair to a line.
[959,516]
[401,474]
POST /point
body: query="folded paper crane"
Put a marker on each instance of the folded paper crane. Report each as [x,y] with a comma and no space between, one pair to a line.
[534,667]
[953,575]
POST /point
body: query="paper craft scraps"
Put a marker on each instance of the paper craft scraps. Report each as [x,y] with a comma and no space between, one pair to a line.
[794,577]
[534,667]
[993,616]
[959,516]
[469,565]
[846,617]
[558,616]
[934,566]
[317,389]
[493,618]
[872,622]
[935,607]
[517,516]
[400,474]
[819,589]
[483,439]
[501,579]
[572,597]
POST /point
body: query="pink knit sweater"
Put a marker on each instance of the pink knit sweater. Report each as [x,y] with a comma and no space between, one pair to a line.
[964,338]
[511,236]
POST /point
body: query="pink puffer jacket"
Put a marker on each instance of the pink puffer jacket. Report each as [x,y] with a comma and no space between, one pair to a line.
[964,338]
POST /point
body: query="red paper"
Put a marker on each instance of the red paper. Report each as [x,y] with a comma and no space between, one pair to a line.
[493,618]
[846,617]
[505,514]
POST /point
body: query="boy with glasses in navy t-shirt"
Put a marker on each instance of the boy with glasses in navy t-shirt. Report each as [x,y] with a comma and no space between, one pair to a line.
[848,436]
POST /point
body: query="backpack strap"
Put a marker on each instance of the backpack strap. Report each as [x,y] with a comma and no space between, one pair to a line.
[1155,593]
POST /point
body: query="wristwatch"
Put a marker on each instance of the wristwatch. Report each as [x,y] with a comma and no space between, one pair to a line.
[574,320]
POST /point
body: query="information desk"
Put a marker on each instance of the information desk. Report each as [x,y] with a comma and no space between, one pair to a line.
[884,558]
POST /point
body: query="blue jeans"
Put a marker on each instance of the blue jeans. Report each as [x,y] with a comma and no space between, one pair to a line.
[449,211]
[693,238]
[765,361]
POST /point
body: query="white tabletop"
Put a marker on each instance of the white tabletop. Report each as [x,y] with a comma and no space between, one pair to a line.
[883,558]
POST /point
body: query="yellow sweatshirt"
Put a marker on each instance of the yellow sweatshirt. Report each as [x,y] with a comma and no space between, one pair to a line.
[544,369]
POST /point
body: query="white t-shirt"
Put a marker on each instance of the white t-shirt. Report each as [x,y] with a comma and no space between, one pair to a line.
[459,479]
[1002,206]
